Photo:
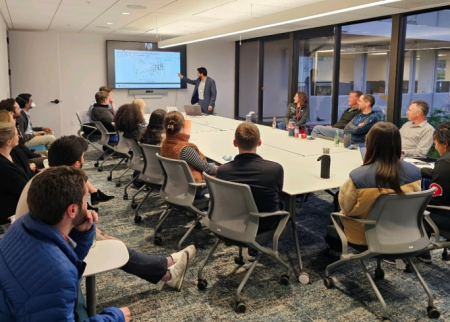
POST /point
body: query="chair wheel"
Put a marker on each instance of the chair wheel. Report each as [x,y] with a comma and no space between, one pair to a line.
[96,164]
[202,284]
[158,241]
[137,219]
[198,225]
[284,280]
[303,278]
[433,312]
[125,197]
[100,169]
[445,255]
[239,260]
[379,273]
[118,184]
[407,269]
[133,205]
[328,282]
[109,178]
[240,307]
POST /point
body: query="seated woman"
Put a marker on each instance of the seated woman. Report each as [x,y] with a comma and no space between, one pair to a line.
[297,112]
[176,146]
[129,120]
[15,171]
[141,103]
[440,179]
[382,172]
[155,131]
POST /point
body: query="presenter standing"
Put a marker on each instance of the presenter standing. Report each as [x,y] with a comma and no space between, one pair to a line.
[205,91]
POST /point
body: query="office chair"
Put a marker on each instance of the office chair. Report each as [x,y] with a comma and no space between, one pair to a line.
[123,150]
[234,218]
[394,229]
[136,163]
[152,176]
[438,244]
[178,191]
[81,115]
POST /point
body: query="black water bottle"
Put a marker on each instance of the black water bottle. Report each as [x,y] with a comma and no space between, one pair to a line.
[325,164]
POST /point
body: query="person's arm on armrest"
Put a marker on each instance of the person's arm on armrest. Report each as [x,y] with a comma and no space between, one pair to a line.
[347,196]
[191,156]
[84,241]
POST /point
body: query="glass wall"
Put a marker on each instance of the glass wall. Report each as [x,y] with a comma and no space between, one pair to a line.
[248,78]
[315,75]
[427,64]
[365,50]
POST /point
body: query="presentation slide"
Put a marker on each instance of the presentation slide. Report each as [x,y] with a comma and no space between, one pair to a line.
[147,69]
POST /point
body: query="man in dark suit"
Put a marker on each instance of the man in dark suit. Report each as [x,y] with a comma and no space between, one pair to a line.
[205,91]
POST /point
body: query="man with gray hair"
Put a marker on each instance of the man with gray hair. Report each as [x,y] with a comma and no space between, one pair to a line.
[417,133]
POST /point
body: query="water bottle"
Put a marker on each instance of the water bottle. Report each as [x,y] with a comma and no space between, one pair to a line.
[296,132]
[274,123]
[325,164]
[347,139]
[336,138]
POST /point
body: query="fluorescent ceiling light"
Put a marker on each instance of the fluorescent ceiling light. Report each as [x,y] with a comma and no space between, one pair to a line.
[125,13]
[377,53]
[373,4]
[109,23]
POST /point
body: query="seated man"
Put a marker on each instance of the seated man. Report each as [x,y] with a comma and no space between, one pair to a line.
[11,106]
[347,116]
[264,177]
[360,125]
[417,133]
[55,238]
[32,135]
[111,105]
[101,112]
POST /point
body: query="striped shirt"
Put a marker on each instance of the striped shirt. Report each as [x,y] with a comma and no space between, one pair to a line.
[192,158]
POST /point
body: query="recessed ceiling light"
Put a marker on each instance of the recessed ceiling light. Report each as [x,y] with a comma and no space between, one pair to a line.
[125,13]
[136,6]
[109,23]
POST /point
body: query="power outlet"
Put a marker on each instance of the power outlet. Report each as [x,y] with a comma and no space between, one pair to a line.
[72,123]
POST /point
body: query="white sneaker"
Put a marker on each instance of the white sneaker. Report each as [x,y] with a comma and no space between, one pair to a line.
[190,250]
[177,272]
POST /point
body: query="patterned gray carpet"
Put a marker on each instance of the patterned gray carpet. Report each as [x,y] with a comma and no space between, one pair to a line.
[352,299]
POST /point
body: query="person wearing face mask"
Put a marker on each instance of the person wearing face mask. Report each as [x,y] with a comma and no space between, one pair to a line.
[32,135]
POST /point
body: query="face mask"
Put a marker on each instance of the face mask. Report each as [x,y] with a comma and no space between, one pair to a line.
[32,105]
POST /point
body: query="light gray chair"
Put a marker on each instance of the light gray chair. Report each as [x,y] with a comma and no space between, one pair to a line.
[394,229]
[234,218]
[81,115]
[122,150]
[136,163]
[178,191]
[152,176]
[438,243]
[104,141]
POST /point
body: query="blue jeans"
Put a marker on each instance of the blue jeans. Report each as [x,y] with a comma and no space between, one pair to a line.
[282,125]
[320,130]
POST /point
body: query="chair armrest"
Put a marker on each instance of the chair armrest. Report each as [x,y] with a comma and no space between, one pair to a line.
[335,218]
[426,213]
[197,184]
[88,126]
[361,221]
[268,214]
[110,133]
[439,207]
[282,223]
[437,234]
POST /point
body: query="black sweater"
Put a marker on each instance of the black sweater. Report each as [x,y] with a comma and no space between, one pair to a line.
[102,114]
[13,178]
[346,117]
[440,178]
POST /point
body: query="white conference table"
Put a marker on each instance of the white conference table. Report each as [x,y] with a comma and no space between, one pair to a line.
[218,122]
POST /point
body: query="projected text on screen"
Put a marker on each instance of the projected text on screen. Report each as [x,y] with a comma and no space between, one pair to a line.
[147,69]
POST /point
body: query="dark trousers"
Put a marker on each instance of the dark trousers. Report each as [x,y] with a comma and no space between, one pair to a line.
[204,106]
[441,219]
[336,244]
[148,267]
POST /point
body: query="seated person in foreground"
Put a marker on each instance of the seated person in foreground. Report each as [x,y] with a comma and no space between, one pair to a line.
[154,133]
[101,112]
[58,232]
[417,133]
[11,106]
[440,178]
[69,151]
[347,116]
[381,173]
[15,171]
[176,146]
[129,120]
[264,177]
[32,135]
[360,125]
[297,112]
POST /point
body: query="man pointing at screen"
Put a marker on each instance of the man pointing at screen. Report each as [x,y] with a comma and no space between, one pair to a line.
[205,91]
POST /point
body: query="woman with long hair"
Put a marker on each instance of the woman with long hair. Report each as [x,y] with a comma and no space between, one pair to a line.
[176,146]
[155,131]
[382,172]
[129,120]
[297,112]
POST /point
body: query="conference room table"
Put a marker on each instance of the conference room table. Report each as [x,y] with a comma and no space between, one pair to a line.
[297,156]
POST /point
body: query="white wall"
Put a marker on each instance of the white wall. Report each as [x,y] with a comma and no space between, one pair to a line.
[83,70]
[4,77]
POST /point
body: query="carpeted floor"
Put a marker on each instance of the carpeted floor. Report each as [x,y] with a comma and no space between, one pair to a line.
[352,299]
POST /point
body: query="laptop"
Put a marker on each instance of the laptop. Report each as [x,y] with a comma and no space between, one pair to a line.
[362,150]
[193,110]
[171,108]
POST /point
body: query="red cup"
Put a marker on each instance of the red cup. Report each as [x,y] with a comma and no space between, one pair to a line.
[304,135]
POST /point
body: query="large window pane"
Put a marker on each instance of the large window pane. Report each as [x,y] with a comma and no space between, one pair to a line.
[365,62]
[315,74]
[248,78]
